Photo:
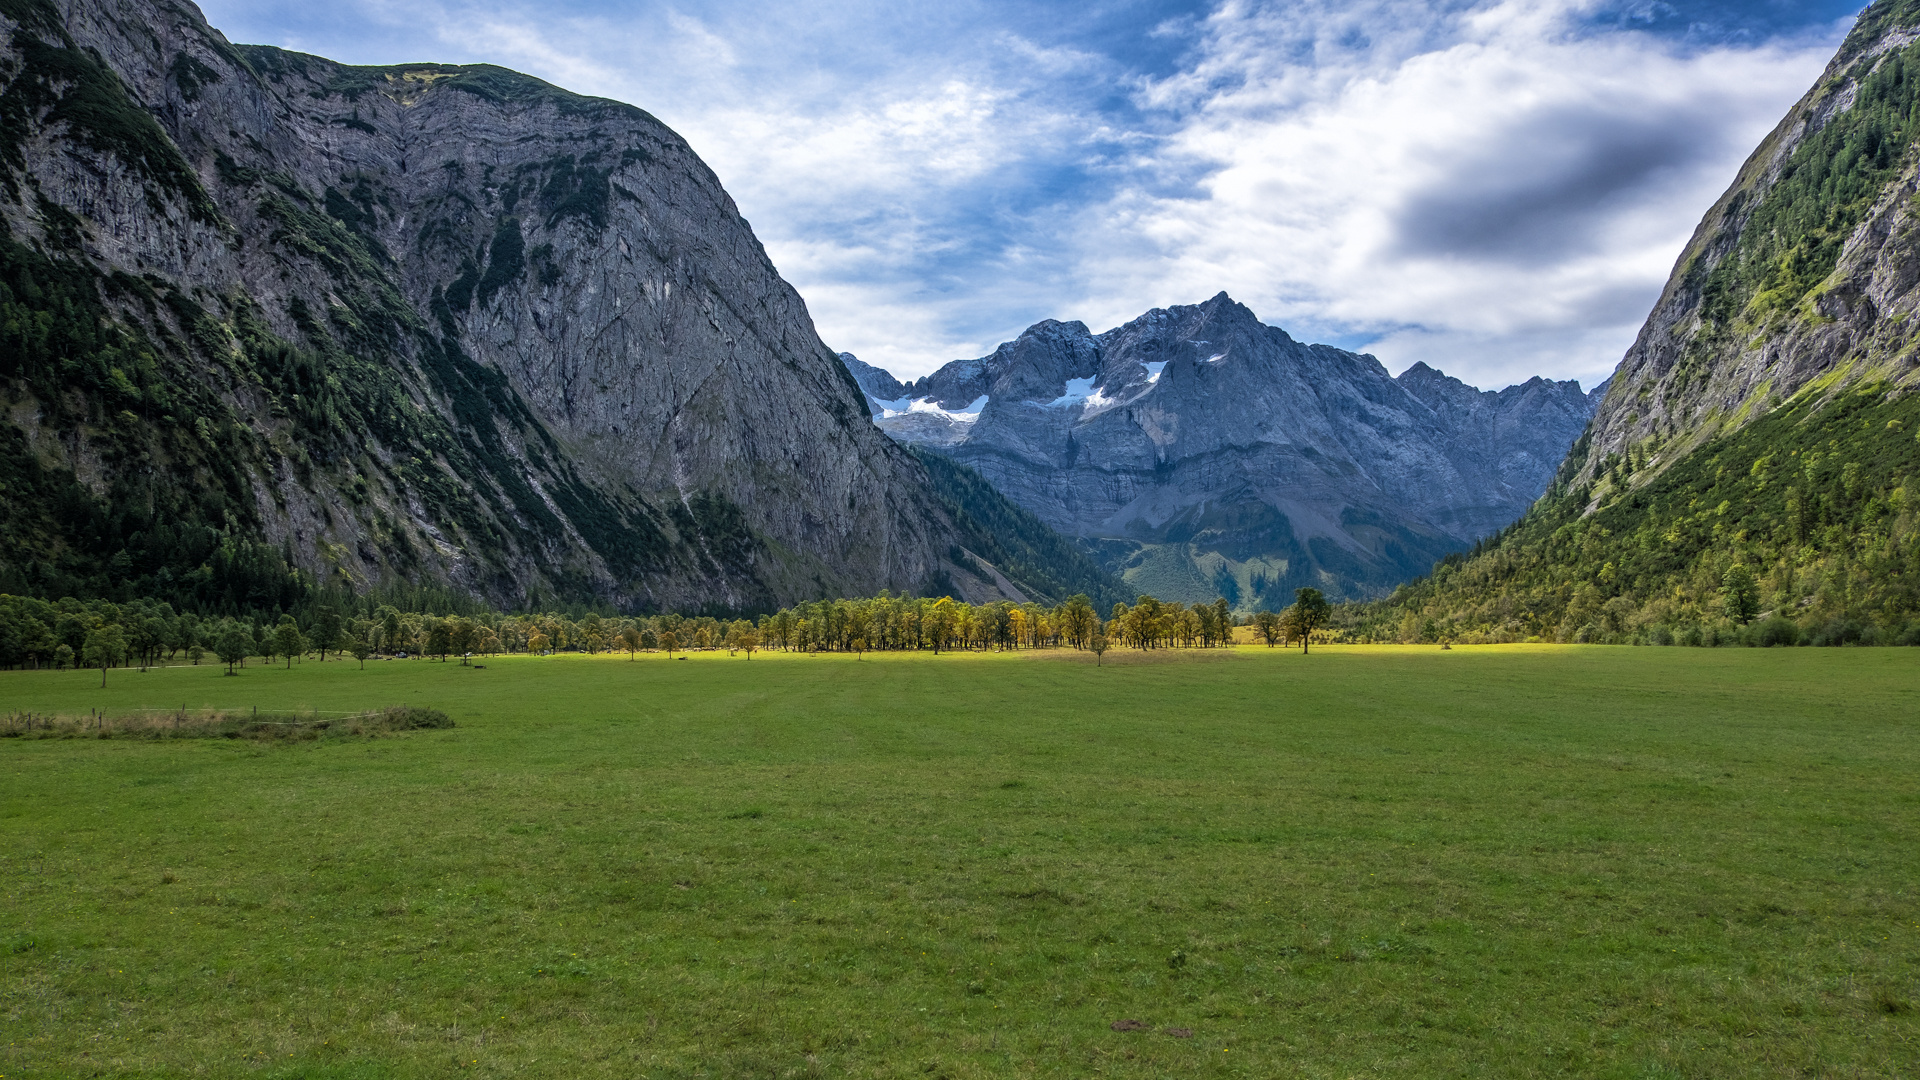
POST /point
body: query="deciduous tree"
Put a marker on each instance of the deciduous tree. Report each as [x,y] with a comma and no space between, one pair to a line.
[1309,613]
[1740,594]
[287,640]
[104,647]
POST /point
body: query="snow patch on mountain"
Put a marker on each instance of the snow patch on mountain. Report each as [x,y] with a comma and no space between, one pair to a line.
[1078,390]
[902,407]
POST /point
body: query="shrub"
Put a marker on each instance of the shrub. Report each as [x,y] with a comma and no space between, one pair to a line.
[412,718]
[1775,631]
[1838,632]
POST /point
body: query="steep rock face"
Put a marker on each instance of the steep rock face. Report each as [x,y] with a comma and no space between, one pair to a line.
[1205,451]
[1801,276]
[422,322]
[1514,436]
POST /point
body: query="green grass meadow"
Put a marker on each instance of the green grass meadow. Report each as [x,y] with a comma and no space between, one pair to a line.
[1367,862]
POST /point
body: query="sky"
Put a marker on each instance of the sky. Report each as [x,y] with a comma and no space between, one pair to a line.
[1498,188]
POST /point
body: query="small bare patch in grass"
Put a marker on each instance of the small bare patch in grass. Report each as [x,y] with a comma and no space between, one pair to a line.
[1128,1025]
[1044,894]
[226,724]
[1888,1001]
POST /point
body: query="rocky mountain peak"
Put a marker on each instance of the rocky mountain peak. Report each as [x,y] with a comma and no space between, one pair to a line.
[1207,452]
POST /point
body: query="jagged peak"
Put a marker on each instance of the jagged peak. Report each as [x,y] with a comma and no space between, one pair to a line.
[1422,371]
[1051,328]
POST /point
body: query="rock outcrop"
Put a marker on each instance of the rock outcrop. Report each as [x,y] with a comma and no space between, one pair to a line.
[420,323]
[1202,451]
[1801,276]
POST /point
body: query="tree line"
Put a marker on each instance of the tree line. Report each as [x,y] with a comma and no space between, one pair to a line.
[100,634]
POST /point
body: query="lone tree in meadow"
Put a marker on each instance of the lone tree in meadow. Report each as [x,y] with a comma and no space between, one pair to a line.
[104,648]
[1267,624]
[1098,643]
[669,641]
[1309,613]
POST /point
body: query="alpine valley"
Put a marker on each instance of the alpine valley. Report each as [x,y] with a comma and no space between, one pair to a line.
[1202,452]
[269,322]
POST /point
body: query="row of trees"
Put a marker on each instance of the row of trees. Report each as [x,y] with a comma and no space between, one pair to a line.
[103,635]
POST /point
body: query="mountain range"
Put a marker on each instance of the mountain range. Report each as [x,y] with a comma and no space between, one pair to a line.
[273,323]
[1202,452]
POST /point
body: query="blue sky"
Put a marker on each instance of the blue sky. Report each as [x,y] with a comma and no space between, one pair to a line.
[1498,188]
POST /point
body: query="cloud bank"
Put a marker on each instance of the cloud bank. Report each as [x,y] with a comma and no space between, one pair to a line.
[1497,188]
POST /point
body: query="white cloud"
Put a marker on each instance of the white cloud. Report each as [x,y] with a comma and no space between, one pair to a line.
[1504,204]
[699,43]
[1496,187]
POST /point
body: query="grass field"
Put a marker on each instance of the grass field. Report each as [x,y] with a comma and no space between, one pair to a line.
[1500,861]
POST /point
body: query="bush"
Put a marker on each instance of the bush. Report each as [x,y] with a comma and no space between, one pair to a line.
[412,718]
[1778,630]
[1838,632]
[1660,635]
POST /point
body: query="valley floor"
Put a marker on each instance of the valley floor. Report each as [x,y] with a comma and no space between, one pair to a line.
[1370,861]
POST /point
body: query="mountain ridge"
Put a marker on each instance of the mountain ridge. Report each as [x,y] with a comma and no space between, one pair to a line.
[1200,451]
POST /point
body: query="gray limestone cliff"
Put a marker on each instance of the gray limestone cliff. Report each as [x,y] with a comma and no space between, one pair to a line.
[417,323]
[1202,451]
